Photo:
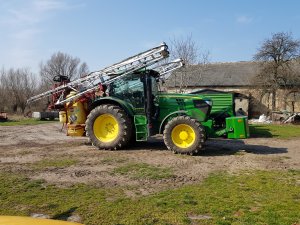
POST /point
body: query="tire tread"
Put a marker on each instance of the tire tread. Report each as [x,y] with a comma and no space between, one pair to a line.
[121,116]
[189,121]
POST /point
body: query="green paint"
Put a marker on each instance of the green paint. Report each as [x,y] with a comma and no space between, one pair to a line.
[237,127]
[141,129]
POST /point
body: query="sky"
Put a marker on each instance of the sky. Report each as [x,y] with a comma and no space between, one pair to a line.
[103,32]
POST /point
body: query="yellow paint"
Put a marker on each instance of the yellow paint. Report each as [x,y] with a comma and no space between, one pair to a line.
[75,130]
[183,136]
[18,220]
[62,116]
[106,128]
[75,111]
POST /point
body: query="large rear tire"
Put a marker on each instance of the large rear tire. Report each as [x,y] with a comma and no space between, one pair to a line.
[108,127]
[184,135]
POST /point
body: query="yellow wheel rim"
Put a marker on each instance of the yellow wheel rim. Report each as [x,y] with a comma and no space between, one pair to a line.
[183,136]
[106,128]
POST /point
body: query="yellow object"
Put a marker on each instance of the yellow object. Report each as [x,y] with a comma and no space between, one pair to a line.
[18,220]
[106,128]
[62,117]
[75,130]
[183,136]
[75,111]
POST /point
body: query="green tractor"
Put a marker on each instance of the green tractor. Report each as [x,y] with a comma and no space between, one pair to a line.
[135,109]
[123,104]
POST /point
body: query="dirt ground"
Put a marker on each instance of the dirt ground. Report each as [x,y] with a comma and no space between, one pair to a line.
[23,146]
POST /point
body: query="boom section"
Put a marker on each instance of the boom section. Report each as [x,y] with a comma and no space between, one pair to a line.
[107,75]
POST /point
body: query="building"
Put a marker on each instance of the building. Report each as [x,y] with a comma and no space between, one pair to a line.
[237,77]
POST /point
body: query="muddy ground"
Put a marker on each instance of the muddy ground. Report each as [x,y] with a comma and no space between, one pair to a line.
[22,147]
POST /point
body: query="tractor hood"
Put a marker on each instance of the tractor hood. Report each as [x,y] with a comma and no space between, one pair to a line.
[195,106]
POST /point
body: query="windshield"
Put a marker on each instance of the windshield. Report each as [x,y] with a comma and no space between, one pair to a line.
[130,89]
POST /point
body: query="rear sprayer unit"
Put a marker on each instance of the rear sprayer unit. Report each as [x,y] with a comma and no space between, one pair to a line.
[123,103]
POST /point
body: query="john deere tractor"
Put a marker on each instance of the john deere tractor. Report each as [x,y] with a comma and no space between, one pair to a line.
[123,103]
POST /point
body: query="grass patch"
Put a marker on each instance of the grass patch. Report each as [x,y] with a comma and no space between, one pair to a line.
[143,170]
[256,197]
[25,121]
[274,130]
[113,160]
[59,163]
[25,152]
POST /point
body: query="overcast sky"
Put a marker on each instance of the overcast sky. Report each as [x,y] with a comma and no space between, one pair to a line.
[102,32]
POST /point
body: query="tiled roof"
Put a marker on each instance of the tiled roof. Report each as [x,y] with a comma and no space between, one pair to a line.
[217,74]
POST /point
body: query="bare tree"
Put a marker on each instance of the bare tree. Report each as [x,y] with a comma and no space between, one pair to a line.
[187,49]
[278,55]
[3,93]
[62,64]
[19,85]
[83,70]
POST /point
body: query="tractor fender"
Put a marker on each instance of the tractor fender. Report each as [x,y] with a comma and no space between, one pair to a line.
[162,124]
[114,101]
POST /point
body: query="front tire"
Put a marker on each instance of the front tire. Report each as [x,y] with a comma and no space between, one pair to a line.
[108,127]
[184,135]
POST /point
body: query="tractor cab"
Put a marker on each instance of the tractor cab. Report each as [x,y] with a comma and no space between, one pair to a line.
[139,89]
